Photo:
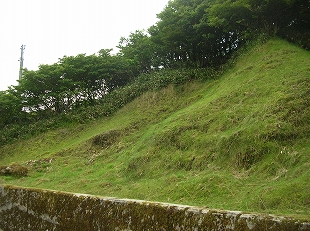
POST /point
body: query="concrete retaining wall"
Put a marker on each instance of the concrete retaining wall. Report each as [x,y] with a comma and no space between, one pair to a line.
[36,209]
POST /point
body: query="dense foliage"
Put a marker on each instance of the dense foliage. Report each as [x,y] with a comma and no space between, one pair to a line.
[189,33]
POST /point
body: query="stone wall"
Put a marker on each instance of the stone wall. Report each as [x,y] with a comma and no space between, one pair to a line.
[36,209]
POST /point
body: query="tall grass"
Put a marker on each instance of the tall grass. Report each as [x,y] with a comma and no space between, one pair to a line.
[238,142]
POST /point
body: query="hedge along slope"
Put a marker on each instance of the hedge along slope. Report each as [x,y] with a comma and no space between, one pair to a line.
[35,209]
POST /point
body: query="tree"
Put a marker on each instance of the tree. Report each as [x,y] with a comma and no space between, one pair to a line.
[140,51]
[10,108]
[174,31]
[73,81]
[42,90]
[298,27]
[188,38]
[273,17]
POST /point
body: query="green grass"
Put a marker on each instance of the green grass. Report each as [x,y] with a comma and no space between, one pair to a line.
[239,142]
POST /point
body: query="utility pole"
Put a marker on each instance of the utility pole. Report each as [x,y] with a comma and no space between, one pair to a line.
[21,61]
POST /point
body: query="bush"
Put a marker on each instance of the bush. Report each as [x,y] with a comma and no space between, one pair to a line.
[14,170]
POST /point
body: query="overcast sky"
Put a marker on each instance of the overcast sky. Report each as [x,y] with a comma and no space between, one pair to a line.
[51,29]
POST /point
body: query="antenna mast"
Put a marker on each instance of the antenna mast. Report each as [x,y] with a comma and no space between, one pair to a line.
[21,61]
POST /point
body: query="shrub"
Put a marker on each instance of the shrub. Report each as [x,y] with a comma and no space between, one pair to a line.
[14,170]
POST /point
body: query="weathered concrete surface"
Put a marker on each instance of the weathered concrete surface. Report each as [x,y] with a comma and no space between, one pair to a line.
[35,209]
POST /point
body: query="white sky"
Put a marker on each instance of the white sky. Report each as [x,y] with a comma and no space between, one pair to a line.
[51,29]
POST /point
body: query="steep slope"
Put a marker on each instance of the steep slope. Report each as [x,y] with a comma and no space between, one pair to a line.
[238,142]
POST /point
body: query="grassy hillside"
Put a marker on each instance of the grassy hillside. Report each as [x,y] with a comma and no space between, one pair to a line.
[240,142]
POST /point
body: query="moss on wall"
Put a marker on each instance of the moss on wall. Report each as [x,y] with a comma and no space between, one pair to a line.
[36,209]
